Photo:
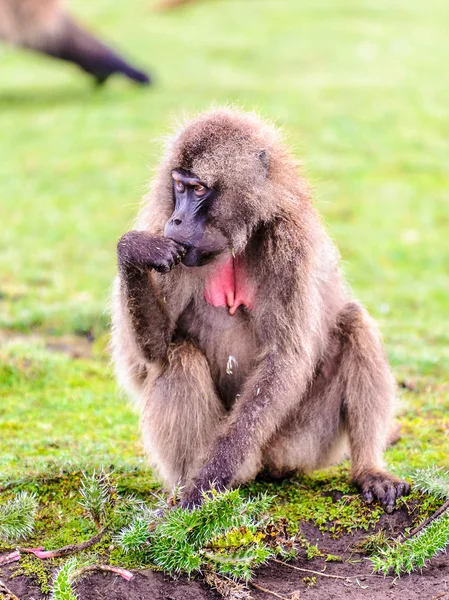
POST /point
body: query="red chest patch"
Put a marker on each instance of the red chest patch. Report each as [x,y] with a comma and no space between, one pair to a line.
[229,286]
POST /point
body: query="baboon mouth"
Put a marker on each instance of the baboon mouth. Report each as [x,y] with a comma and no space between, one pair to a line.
[195,257]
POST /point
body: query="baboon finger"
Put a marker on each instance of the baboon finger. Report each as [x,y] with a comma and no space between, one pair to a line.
[368,496]
[389,498]
[403,489]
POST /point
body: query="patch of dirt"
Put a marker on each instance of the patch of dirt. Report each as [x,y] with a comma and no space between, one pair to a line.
[289,584]
[431,583]
[145,585]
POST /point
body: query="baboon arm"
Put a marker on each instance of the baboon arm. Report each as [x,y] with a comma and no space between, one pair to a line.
[267,398]
[143,306]
[150,302]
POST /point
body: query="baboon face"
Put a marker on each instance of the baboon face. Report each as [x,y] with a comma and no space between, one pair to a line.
[190,224]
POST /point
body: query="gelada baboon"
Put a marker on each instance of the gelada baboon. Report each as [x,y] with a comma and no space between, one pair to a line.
[45,26]
[233,327]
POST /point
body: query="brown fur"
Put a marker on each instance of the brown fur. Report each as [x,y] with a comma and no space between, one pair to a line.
[45,26]
[310,378]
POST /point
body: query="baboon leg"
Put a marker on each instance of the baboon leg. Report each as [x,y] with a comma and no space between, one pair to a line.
[369,391]
[350,404]
[180,414]
[314,435]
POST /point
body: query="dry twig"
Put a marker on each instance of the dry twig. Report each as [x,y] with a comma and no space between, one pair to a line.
[266,591]
[108,568]
[66,550]
[346,578]
[424,524]
[281,562]
[228,588]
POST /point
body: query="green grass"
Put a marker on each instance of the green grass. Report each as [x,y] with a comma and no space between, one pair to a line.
[362,92]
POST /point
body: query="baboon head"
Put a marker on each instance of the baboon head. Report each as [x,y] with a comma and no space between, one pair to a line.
[222,181]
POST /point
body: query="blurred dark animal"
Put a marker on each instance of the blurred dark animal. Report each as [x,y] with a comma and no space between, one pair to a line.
[234,329]
[46,27]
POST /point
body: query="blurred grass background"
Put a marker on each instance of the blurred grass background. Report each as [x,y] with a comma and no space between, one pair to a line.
[361,90]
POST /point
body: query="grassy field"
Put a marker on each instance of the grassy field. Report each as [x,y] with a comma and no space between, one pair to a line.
[362,93]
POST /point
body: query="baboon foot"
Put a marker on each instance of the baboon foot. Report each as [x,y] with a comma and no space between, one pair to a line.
[381,486]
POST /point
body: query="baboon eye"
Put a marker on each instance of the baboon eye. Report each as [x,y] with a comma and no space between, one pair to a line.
[200,190]
[180,187]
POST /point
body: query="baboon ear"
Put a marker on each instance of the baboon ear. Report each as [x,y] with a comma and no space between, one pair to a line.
[263,157]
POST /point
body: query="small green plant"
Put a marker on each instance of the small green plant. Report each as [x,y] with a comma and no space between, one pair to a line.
[373,543]
[414,552]
[17,517]
[97,493]
[309,581]
[333,558]
[225,534]
[312,550]
[62,583]
[429,539]
[135,536]
[74,569]
[433,481]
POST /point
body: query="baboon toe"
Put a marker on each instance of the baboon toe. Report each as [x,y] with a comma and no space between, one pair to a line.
[377,485]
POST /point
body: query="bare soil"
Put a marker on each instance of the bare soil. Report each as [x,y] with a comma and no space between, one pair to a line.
[290,584]
[145,585]
[431,583]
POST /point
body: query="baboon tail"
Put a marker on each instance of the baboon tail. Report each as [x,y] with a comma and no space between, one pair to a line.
[75,44]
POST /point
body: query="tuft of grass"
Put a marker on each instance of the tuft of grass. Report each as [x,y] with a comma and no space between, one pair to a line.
[415,552]
[433,480]
[62,583]
[224,534]
[97,496]
[17,517]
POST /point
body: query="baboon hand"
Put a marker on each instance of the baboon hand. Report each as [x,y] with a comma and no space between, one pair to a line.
[195,497]
[210,478]
[141,250]
[379,485]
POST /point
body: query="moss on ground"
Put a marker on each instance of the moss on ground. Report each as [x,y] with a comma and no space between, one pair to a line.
[39,571]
